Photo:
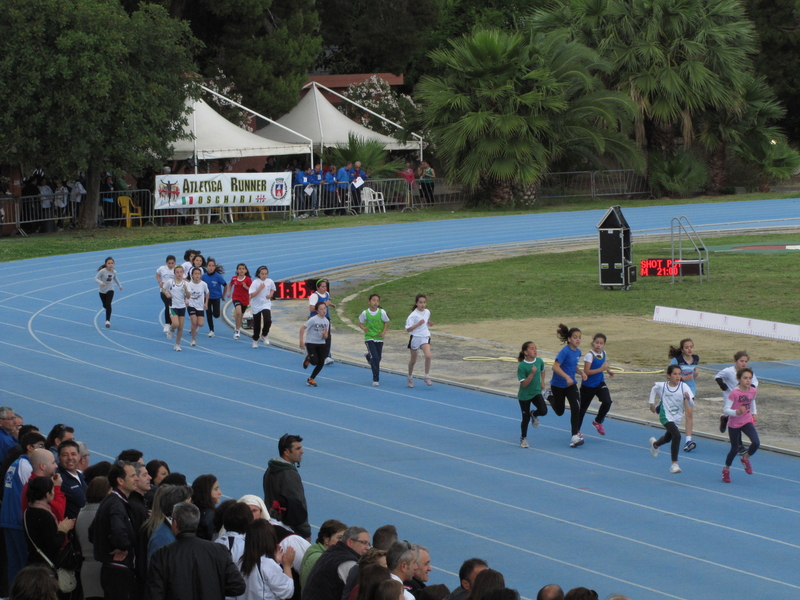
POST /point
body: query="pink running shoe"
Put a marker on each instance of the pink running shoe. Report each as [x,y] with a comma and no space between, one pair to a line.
[599,426]
[748,468]
[726,475]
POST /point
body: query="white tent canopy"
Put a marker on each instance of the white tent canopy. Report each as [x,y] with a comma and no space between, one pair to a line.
[315,117]
[215,137]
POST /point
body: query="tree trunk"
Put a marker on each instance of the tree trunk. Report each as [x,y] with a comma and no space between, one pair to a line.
[764,187]
[717,167]
[90,205]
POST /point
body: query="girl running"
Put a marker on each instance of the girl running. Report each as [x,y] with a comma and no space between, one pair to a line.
[261,293]
[322,294]
[199,261]
[178,293]
[197,303]
[240,295]
[318,329]
[530,374]
[373,322]
[165,276]
[105,278]
[217,287]
[685,357]
[741,410]
[417,325]
[564,382]
[674,394]
[188,262]
[595,366]
[726,380]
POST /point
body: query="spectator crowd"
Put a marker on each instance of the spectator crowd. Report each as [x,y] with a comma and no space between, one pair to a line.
[143,533]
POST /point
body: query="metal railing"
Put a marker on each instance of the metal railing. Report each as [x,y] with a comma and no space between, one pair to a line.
[593,184]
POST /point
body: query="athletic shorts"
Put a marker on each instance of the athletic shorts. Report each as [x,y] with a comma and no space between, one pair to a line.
[177,312]
[240,303]
[416,342]
[194,311]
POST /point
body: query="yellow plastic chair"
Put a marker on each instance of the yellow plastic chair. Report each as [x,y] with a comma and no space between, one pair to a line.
[129,209]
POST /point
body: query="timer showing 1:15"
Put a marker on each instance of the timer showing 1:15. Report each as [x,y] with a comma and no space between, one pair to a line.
[292,290]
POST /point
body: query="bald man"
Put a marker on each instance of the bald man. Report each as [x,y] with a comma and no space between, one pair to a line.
[44,465]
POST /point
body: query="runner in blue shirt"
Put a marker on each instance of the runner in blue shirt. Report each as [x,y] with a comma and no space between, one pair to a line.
[564,382]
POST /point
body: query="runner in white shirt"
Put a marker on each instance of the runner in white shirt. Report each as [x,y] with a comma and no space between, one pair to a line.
[261,291]
[417,325]
[178,292]
[165,276]
[198,302]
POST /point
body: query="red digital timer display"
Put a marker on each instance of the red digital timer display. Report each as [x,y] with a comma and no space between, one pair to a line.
[293,290]
[665,267]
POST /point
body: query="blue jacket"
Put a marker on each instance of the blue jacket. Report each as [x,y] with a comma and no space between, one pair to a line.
[11,512]
[330,181]
[343,178]
[7,442]
[74,490]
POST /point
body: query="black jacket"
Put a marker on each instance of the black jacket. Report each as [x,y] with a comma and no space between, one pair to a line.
[112,529]
[191,568]
[323,582]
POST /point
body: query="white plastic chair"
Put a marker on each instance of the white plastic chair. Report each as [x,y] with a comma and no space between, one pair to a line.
[372,200]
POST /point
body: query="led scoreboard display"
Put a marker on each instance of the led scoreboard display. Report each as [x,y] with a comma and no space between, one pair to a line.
[294,290]
[665,267]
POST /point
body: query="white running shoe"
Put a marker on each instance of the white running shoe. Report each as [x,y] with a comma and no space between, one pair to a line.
[262,338]
[194,343]
[375,384]
[236,334]
[523,443]
[653,447]
[428,380]
[411,382]
[329,361]
[177,348]
[169,334]
[576,441]
[255,344]
[108,324]
[266,340]
[166,328]
[674,468]
[210,334]
[534,421]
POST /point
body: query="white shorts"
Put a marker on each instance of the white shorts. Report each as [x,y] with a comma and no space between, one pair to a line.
[416,342]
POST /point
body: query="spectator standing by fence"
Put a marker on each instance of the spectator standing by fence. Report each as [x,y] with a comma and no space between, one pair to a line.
[425,173]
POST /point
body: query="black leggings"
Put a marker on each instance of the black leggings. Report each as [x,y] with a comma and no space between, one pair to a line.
[106,299]
[525,407]
[735,435]
[557,403]
[603,395]
[211,312]
[167,305]
[316,356]
[258,326]
[673,435]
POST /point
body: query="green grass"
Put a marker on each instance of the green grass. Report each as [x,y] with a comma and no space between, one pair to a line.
[554,285]
[17,248]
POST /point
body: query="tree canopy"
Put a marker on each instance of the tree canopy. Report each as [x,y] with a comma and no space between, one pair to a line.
[90,88]
[508,105]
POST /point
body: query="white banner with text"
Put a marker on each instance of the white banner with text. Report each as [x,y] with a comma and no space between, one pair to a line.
[221,190]
[708,320]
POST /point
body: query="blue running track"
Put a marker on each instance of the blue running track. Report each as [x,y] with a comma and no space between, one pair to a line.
[442,464]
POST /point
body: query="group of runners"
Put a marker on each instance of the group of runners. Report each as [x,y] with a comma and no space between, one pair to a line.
[198,287]
[676,395]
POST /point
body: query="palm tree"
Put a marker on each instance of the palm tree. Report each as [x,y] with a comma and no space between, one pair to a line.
[673,58]
[775,159]
[507,105]
[372,155]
